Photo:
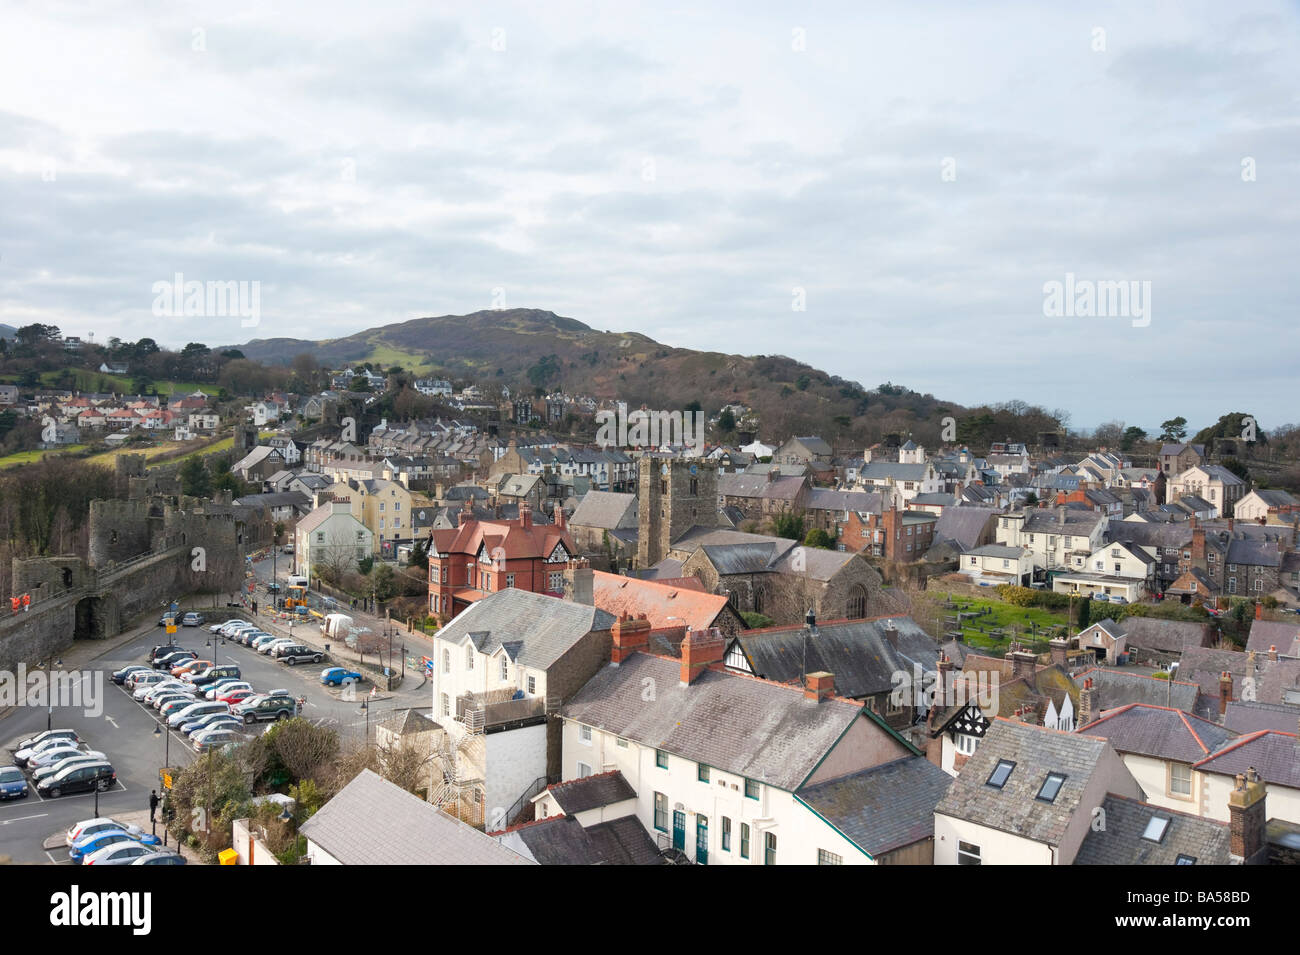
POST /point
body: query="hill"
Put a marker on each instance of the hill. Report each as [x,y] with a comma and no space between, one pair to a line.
[530,349]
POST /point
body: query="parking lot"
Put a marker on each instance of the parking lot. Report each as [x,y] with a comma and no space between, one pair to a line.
[134,737]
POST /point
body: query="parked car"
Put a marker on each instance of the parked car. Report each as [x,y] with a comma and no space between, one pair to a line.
[192,619]
[40,738]
[119,676]
[138,679]
[87,826]
[123,853]
[173,696]
[168,618]
[271,646]
[249,637]
[146,692]
[172,707]
[263,640]
[12,783]
[77,759]
[296,653]
[48,757]
[224,686]
[67,738]
[231,627]
[96,841]
[211,721]
[339,676]
[184,715]
[204,681]
[263,709]
[190,667]
[217,736]
[78,779]
[236,696]
[221,627]
[174,659]
[160,857]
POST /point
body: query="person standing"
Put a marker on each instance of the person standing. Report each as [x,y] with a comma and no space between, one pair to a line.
[153,804]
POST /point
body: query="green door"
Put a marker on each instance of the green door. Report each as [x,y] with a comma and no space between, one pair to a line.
[679,831]
[701,840]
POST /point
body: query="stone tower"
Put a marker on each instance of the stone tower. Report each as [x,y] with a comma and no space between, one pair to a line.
[673,496]
[245,439]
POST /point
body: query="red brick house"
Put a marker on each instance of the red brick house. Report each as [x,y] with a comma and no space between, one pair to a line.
[893,535]
[481,557]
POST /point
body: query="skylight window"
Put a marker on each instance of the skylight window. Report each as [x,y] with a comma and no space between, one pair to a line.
[1001,773]
[1185,860]
[1051,786]
[1155,830]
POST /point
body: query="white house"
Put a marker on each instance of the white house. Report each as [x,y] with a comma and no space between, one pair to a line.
[995,564]
[331,536]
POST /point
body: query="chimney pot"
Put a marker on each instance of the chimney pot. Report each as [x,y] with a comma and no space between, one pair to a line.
[819,686]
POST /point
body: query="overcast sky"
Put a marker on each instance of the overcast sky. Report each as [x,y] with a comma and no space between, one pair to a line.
[920,171]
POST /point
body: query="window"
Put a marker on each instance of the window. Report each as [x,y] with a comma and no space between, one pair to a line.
[1180,779]
[968,854]
[1185,860]
[510,580]
[661,812]
[769,849]
[828,858]
[1051,786]
[726,834]
[583,770]
[505,668]
[702,773]
[751,789]
[469,657]
[1155,830]
[621,743]
[532,686]
[744,840]
[1001,773]
[446,705]
[446,661]
[661,759]
[966,744]
[584,734]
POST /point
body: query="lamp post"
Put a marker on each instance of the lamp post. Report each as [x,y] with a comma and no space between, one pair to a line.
[365,708]
[49,696]
[167,758]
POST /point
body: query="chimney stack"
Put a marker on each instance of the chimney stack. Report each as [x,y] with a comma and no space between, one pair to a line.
[942,682]
[1060,651]
[1086,698]
[629,636]
[819,686]
[1022,662]
[1259,611]
[890,631]
[557,515]
[581,581]
[700,650]
[1061,513]
[1246,817]
[525,516]
[1272,652]
[1225,691]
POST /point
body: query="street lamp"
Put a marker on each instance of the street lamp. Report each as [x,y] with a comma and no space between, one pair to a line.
[167,758]
[49,696]
[365,708]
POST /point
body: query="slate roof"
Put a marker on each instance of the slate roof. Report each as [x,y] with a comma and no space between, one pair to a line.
[1254,553]
[373,822]
[544,628]
[1115,688]
[821,498]
[736,724]
[1274,754]
[883,470]
[1203,665]
[1283,634]
[1014,808]
[1121,841]
[1160,732]
[1172,636]
[605,509]
[964,524]
[1251,717]
[561,840]
[624,841]
[858,653]
[882,808]
[409,721]
[591,792]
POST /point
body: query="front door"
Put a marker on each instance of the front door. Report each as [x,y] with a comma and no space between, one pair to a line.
[679,831]
[701,840]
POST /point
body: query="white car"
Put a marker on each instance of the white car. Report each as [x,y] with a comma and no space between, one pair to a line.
[221,689]
[90,826]
[58,754]
[143,678]
[148,694]
[221,627]
[53,769]
[271,648]
[25,756]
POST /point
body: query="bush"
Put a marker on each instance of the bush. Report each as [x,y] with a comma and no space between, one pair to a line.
[757,621]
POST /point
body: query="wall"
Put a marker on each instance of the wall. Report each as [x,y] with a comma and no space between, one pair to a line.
[514,759]
[996,847]
[245,844]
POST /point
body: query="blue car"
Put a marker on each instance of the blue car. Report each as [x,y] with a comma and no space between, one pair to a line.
[338,676]
[99,840]
[12,783]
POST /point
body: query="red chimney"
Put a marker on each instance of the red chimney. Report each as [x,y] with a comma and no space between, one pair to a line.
[559,517]
[1272,653]
[700,650]
[525,515]
[819,686]
[629,636]
[1259,611]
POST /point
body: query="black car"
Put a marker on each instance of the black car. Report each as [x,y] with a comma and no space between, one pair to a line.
[78,779]
[267,708]
[292,655]
[175,658]
[214,673]
[119,677]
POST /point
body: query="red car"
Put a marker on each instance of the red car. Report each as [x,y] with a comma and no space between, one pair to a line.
[236,697]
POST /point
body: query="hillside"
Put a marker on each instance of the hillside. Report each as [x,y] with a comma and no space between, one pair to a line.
[530,348]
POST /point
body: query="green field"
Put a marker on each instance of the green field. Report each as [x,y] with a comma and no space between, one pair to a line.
[1022,623]
[28,457]
[388,356]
